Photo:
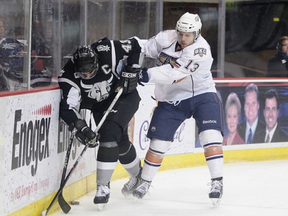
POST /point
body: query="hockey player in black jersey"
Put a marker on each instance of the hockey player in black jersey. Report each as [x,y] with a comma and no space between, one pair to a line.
[89,81]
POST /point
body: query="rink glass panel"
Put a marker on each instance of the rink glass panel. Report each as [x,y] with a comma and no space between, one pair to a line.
[58,27]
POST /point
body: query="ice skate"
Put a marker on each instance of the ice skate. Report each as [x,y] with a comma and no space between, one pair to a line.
[102,196]
[131,185]
[216,191]
[141,189]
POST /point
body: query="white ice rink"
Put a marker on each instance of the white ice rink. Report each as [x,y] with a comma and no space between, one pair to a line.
[250,189]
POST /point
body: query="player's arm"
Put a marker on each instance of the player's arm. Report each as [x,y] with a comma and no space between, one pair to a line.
[131,68]
[134,49]
[166,74]
[70,101]
[156,44]
[177,70]
[69,109]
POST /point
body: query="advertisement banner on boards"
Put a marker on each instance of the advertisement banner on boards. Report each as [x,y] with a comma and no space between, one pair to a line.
[35,144]
[259,106]
[266,113]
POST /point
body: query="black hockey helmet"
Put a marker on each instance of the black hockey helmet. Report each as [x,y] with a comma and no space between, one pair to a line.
[85,61]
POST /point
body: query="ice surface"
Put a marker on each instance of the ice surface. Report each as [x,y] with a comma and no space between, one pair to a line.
[250,189]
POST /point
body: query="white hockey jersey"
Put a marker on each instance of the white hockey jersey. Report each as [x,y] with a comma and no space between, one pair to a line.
[180,74]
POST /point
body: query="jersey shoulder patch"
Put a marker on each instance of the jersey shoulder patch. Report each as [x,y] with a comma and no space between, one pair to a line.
[103,48]
[200,51]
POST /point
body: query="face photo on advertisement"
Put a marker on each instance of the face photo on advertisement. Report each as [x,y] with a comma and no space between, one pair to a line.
[271,112]
[232,114]
[252,127]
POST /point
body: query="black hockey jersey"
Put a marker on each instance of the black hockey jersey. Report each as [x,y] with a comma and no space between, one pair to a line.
[80,93]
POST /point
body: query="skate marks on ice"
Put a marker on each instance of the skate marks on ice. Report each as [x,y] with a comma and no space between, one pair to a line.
[251,188]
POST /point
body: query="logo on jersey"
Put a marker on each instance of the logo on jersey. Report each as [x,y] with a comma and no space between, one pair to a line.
[200,52]
[10,46]
[102,48]
[163,59]
[98,91]
[209,122]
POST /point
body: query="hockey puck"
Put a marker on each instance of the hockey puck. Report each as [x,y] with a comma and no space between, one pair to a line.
[74,202]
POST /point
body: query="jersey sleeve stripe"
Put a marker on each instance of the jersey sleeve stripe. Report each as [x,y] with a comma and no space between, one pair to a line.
[65,80]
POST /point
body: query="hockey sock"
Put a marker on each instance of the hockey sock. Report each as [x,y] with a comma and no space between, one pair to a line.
[215,166]
[128,157]
[151,165]
[106,162]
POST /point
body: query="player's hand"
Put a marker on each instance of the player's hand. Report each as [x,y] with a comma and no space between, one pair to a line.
[129,78]
[83,133]
[143,76]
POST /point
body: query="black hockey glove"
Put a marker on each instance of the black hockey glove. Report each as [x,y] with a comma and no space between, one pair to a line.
[84,133]
[129,78]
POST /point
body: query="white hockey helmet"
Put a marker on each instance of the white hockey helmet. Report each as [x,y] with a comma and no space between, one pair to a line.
[189,22]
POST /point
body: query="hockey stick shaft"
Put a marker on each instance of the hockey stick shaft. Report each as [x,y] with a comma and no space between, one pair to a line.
[62,203]
[120,90]
[67,158]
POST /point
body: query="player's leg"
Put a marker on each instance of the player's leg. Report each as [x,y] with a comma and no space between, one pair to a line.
[165,121]
[211,141]
[130,161]
[108,152]
[152,163]
[107,158]
[209,119]
[126,108]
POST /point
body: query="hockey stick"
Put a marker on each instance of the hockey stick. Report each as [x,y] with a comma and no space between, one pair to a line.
[65,208]
[45,212]
[63,204]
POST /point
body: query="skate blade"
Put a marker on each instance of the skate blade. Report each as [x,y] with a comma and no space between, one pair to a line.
[101,206]
[216,202]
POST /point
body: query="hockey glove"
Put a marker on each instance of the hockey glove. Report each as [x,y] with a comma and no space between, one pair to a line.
[129,78]
[143,76]
[84,133]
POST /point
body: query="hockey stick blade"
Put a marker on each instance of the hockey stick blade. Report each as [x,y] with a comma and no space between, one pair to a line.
[44,213]
[62,184]
[63,204]
[65,181]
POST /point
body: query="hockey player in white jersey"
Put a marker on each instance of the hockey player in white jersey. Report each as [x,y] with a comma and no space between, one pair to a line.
[184,87]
